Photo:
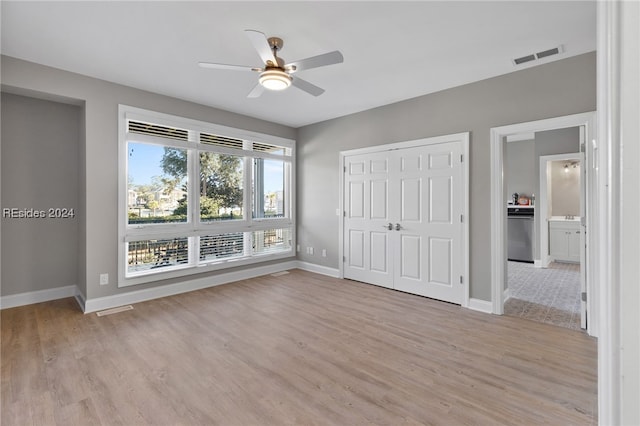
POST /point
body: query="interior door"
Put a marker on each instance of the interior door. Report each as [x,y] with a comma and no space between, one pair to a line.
[429,253]
[367,223]
[402,224]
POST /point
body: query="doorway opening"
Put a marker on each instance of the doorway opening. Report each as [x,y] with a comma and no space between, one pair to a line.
[540,277]
[545,282]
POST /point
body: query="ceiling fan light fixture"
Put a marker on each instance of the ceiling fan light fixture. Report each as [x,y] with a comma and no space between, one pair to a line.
[274,79]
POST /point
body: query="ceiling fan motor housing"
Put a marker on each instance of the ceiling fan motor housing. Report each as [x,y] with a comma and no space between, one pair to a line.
[276,43]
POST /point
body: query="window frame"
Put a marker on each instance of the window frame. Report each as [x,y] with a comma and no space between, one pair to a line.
[194,228]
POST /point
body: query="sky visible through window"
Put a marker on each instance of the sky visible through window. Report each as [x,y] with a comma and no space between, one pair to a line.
[145,163]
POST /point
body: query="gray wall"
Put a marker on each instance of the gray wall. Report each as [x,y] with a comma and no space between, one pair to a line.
[555,89]
[551,90]
[40,150]
[520,164]
[565,189]
[552,142]
[98,163]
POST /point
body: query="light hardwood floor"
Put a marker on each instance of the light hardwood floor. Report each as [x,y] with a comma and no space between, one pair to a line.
[296,349]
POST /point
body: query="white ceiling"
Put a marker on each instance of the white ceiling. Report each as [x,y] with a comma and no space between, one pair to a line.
[393,50]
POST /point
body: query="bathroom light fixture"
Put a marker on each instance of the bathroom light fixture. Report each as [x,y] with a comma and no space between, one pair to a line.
[573,164]
[274,79]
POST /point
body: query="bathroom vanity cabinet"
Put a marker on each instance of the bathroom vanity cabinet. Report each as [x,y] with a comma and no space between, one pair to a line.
[564,240]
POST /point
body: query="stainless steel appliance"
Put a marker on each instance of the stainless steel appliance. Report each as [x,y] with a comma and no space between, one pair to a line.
[520,233]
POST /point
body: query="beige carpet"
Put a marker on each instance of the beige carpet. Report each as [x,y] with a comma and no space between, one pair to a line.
[550,295]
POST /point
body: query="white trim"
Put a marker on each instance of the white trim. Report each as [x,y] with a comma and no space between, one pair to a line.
[466,247]
[506,295]
[31,297]
[81,300]
[463,138]
[431,140]
[608,221]
[193,228]
[318,269]
[137,296]
[543,203]
[342,213]
[140,114]
[498,212]
[498,232]
[98,304]
[480,305]
[521,137]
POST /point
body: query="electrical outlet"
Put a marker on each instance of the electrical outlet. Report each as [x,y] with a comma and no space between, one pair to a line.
[104,279]
[309,250]
[324,252]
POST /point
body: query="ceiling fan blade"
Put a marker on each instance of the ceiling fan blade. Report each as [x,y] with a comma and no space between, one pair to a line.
[256,91]
[228,67]
[304,85]
[330,58]
[260,43]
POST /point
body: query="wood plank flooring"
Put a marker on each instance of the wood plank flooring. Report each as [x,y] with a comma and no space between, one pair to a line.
[295,349]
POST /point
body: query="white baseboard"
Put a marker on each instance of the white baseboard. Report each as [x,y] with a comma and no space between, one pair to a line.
[81,300]
[31,297]
[480,305]
[137,296]
[318,269]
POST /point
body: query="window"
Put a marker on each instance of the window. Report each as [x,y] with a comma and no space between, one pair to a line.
[196,195]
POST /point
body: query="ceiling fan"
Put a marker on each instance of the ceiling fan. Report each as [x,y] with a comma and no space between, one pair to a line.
[275,74]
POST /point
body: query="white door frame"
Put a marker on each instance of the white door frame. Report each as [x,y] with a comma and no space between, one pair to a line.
[499,212]
[461,137]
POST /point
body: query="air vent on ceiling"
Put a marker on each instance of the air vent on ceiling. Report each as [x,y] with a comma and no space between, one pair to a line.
[524,59]
[549,52]
[536,56]
[156,130]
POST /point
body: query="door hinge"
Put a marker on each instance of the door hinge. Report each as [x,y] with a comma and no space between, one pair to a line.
[583,295]
[461,279]
[344,258]
[461,218]
[461,158]
[344,169]
[344,213]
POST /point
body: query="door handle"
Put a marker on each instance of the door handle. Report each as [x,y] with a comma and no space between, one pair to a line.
[389,226]
[398,227]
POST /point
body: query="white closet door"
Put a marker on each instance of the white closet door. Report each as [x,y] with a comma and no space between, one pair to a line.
[429,255]
[366,234]
[402,224]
